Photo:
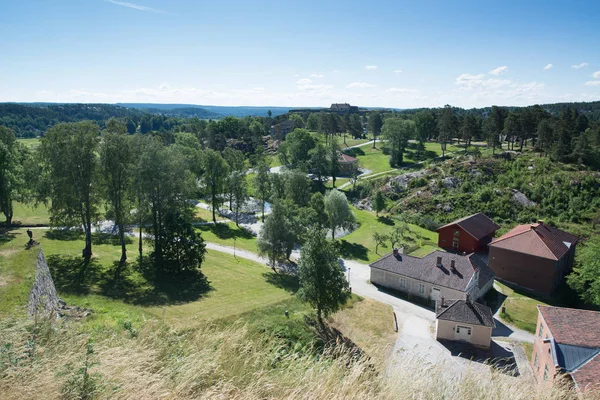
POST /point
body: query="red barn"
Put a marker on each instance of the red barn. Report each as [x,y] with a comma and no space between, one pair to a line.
[469,235]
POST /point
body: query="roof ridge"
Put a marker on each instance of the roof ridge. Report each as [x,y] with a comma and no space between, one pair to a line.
[533,228]
[455,302]
[501,238]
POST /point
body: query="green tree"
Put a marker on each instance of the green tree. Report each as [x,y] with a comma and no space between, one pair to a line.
[468,130]
[298,121]
[585,279]
[545,135]
[494,126]
[338,211]
[238,189]
[69,151]
[313,123]
[116,160]
[262,185]
[298,145]
[379,240]
[275,235]
[397,132]
[319,162]
[447,127]
[334,162]
[398,234]
[317,203]
[375,125]
[297,187]
[378,202]
[13,157]
[183,248]
[425,127]
[322,281]
[216,171]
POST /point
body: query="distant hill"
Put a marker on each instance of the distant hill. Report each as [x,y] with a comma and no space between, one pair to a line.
[33,119]
[234,111]
[186,112]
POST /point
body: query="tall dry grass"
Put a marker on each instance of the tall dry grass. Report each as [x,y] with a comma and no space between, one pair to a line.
[216,361]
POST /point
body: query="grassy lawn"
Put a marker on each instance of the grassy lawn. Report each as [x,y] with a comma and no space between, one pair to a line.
[206,215]
[359,245]
[29,215]
[224,234]
[424,250]
[230,285]
[521,309]
[353,142]
[30,143]
[338,182]
[273,161]
[369,324]
[528,349]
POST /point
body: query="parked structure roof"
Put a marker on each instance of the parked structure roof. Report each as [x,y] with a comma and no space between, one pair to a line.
[477,225]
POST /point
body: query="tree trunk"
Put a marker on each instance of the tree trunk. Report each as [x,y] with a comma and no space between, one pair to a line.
[140,246]
[263,210]
[214,201]
[123,246]
[333,233]
[374,138]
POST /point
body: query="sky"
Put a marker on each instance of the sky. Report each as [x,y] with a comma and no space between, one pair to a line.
[300,53]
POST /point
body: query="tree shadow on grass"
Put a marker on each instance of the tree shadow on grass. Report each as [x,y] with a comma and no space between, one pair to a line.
[109,238]
[353,250]
[225,231]
[386,220]
[6,236]
[72,275]
[132,283]
[355,152]
[290,283]
[64,234]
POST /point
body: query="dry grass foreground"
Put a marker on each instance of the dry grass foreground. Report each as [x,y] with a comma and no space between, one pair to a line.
[216,361]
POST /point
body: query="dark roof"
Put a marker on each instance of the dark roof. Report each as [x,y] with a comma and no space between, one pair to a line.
[575,338]
[572,326]
[477,225]
[588,376]
[466,312]
[340,106]
[426,269]
[537,239]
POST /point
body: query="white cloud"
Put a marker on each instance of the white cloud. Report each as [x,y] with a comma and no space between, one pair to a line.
[319,86]
[303,81]
[135,6]
[317,75]
[469,81]
[577,66]
[336,71]
[499,70]
[371,67]
[592,83]
[397,71]
[360,85]
[548,66]
[401,90]
[596,75]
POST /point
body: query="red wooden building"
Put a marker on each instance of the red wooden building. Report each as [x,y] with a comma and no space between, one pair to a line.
[469,235]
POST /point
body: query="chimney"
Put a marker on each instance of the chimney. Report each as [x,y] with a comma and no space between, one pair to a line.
[464,253]
[442,302]
[395,251]
[439,261]
[540,222]
[468,300]
[452,264]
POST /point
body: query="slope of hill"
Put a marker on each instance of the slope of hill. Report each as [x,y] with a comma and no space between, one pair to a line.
[234,111]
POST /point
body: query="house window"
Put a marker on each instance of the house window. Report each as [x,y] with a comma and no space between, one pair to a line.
[546,371]
[456,233]
[402,282]
[541,330]
[421,288]
[535,361]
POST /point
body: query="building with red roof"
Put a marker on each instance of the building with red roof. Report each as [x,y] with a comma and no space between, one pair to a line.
[348,164]
[470,234]
[534,256]
[567,345]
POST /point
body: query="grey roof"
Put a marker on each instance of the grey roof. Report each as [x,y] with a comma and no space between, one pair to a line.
[426,269]
[466,312]
[477,225]
[571,357]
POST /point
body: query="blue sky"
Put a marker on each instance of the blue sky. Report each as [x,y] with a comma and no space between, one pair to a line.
[300,53]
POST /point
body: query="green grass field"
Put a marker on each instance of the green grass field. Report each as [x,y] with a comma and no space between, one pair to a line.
[232,285]
[30,143]
[29,215]
[225,233]
[352,142]
[359,245]
[521,310]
